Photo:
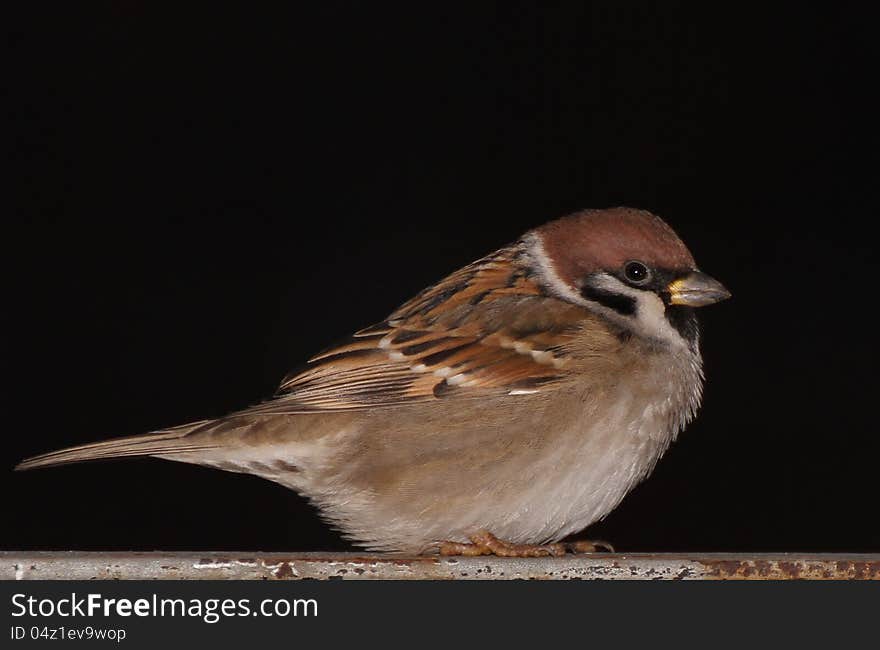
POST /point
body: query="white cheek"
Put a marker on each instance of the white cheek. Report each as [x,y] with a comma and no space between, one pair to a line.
[651,319]
[651,313]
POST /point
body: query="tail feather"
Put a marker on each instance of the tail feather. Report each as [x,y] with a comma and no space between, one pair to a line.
[168,441]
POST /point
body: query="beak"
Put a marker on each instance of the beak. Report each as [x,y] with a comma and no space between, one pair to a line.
[696,290]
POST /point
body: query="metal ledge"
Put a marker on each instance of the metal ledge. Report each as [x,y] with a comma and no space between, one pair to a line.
[77,565]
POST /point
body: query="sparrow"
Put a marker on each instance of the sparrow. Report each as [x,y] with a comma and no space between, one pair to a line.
[506,407]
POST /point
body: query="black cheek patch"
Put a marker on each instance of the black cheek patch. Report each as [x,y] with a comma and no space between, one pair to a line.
[621,304]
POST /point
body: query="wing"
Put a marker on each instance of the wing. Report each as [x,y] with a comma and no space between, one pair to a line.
[487,329]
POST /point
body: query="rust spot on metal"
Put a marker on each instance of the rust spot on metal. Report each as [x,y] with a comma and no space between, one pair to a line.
[725,568]
[284,571]
[866,570]
[763,567]
[791,569]
[784,569]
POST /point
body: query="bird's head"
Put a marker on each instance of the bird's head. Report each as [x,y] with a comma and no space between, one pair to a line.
[628,266]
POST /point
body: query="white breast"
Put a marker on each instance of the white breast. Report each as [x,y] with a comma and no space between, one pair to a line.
[612,449]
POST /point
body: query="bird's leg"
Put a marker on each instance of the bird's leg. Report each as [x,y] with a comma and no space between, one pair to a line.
[485,543]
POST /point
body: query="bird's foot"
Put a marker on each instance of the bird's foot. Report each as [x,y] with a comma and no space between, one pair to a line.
[485,543]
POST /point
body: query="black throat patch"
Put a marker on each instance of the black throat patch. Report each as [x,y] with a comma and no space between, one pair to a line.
[684,321]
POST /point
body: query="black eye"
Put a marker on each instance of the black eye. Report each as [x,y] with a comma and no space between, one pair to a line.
[636,272]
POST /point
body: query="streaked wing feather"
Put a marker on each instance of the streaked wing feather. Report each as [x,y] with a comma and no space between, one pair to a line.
[487,329]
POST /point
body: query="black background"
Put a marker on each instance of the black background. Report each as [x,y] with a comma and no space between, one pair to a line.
[202,197]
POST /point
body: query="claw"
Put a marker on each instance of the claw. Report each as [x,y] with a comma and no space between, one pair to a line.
[589,546]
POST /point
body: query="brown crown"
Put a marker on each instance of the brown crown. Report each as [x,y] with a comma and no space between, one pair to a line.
[594,240]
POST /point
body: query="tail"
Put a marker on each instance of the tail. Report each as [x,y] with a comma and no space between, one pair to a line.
[168,441]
